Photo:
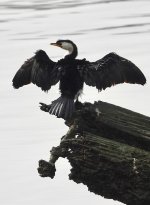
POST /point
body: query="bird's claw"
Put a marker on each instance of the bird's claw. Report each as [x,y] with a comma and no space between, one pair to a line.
[44,107]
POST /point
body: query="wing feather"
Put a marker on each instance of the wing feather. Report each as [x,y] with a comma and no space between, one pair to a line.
[39,70]
[23,75]
[112,69]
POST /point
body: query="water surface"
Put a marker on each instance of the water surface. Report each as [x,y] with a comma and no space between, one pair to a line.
[27,134]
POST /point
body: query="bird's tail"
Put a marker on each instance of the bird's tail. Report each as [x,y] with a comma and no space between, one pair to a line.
[63,107]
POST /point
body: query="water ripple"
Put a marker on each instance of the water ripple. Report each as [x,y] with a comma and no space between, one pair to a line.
[48,5]
[126,26]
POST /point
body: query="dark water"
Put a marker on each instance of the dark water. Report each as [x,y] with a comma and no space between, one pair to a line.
[27,134]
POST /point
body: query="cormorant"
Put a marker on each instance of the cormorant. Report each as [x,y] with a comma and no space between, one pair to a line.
[72,73]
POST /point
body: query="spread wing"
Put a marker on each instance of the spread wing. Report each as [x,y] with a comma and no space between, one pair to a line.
[39,70]
[111,70]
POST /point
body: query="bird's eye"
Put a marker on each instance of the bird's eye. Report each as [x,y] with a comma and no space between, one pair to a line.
[59,43]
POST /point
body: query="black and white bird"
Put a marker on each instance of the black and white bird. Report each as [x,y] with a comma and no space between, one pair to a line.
[72,73]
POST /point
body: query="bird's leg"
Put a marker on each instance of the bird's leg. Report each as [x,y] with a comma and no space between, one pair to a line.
[78,104]
[45,107]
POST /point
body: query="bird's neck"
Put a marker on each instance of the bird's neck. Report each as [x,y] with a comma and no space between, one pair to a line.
[72,53]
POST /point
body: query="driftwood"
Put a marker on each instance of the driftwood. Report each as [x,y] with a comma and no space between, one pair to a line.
[108,148]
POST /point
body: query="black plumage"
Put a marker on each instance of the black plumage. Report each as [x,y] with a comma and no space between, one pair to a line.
[36,70]
[72,73]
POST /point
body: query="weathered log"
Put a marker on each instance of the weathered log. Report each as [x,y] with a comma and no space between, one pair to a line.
[108,148]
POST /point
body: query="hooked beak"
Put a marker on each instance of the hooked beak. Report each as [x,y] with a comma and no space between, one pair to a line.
[55,44]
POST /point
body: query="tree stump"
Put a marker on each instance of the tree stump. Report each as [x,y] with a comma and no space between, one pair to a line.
[108,148]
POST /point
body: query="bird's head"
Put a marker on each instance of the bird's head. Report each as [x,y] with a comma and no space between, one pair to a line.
[67,45]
